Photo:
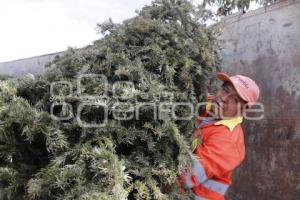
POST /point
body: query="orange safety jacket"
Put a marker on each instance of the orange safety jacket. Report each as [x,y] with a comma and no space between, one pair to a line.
[222,149]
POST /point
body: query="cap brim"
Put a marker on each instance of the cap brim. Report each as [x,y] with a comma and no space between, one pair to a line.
[223,77]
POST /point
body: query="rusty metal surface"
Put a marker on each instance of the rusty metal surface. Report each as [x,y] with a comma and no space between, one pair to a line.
[265,45]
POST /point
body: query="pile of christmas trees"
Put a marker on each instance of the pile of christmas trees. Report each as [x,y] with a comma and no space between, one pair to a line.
[101,123]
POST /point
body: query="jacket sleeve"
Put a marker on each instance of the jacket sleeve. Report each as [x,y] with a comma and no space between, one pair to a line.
[216,156]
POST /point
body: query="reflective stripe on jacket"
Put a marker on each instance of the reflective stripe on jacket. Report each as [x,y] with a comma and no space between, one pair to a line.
[221,151]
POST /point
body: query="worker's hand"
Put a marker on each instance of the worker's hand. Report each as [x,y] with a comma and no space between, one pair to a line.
[166,188]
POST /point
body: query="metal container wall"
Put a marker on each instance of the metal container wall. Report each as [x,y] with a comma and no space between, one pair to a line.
[265,45]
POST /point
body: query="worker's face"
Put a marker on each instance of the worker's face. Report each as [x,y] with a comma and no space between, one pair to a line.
[228,103]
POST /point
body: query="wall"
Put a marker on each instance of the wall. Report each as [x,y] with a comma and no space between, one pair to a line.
[34,65]
[265,45]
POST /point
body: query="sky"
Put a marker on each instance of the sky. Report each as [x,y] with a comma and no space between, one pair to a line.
[37,27]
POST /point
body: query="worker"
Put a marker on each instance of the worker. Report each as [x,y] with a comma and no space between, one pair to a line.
[222,147]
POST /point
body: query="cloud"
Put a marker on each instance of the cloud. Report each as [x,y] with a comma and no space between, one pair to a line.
[94,11]
[36,27]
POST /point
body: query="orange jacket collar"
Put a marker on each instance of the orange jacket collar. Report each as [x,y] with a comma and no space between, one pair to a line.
[230,123]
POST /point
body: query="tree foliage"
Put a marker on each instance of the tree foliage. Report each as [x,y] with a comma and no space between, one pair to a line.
[226,7]
[166,55]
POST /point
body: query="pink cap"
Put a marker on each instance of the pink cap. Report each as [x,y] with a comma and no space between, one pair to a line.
[245,87]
